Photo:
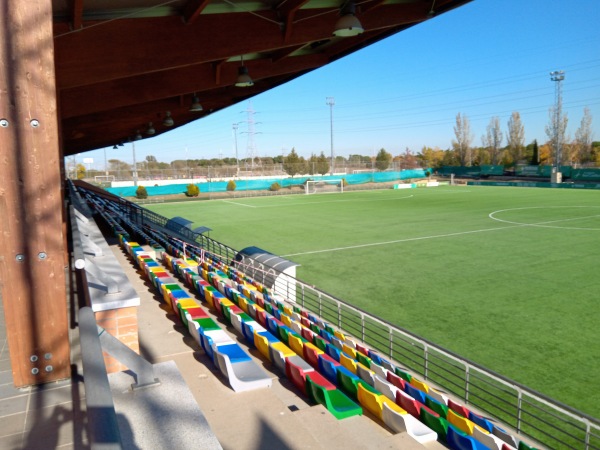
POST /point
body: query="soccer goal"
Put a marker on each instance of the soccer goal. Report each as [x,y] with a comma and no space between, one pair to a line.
[104,178]
[324,186]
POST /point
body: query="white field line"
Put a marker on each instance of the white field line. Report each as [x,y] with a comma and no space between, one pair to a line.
[239,204]
[436,236]
[336,201]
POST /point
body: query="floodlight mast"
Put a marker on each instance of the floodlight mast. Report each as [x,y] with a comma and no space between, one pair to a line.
[558,76]
[331,101]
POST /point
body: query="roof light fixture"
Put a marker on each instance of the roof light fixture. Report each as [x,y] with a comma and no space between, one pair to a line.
[196,106]
[243,79]
[168,122]
[348,24]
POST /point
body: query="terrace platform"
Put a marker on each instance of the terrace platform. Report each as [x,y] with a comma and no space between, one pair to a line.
[54,415]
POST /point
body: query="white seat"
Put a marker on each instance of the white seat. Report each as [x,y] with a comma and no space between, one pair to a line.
[379,370]
[489,440]
[385,387]
[365,374]
[401,423]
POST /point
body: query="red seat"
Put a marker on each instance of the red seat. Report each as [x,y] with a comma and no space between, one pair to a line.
[458,408]
[412,406]
[311,355]
[308,334]
[296,370]
[395,380]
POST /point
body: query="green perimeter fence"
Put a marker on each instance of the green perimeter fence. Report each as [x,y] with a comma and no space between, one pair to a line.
[514,405]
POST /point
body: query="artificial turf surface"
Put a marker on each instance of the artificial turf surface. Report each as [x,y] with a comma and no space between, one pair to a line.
[506,277]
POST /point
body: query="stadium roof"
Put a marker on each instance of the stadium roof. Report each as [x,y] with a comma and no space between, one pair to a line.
[122,65]
[265,258]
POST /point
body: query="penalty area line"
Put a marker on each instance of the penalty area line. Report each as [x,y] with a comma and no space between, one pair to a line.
[399,241]
[239,204]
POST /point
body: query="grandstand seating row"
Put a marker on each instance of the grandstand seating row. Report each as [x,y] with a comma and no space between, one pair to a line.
[322,362]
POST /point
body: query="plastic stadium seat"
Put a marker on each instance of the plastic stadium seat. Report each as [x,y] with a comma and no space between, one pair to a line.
[371,401]
[243,375]
[420,385]
[458,408]
[437,424]
[348,362]
[436,406]
[296,327]
[332,351]
[284,333]
[367,375]
[409,404]
[489,440]
[401,422]
[351,352]
[505,436]
[311,354]
[438,396]
[362,349]
[348,382]
[414,393]
[338,404]
[337,343]
[296,369]
[481,421]
[262,341]
[395,380]
[328,367]
[279,352]
[307,334]
[462,423]
[379,370]
[273,325]
[403,374]
[457,440]
[385,387]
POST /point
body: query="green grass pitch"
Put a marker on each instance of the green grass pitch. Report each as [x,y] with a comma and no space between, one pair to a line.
[507,277]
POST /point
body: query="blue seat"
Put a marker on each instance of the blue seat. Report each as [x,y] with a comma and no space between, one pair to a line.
[234,352]
[481,421]
[457,440]
[328,367]
[272,325]
[414,393]
[248,333]
[332,351]
[269,336]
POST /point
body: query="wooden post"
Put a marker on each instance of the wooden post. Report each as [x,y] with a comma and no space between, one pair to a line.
[32,246]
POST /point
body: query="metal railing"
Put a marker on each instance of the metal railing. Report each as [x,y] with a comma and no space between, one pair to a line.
[526,411]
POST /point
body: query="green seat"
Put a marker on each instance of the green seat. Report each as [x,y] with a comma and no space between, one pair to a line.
[364,360]
[207,324]
[436,406]
[338,404]
[319,342]
[437,424]
[404,375]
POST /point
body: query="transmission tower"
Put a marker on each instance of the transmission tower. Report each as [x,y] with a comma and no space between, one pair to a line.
[558,76]
[251,146]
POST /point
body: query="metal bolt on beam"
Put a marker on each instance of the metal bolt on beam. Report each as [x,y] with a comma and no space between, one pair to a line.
[3,123]
[34,123]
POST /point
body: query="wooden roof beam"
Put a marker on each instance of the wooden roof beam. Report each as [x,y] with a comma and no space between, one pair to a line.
[193,9]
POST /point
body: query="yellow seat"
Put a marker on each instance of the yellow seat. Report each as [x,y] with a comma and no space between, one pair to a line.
[287,311]
[371,401]
[186,303]
[348,363]
[338,334]
[349,350]
[423,387]
[287,321]
[295,343]
[262,344]
[243,303]
[462,423]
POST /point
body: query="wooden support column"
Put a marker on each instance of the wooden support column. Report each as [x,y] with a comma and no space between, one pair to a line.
[32,246]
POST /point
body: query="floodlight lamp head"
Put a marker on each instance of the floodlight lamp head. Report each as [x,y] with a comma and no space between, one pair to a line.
[138,136]
[150,131]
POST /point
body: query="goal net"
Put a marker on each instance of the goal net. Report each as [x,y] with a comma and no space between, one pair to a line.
[104,178]
[324,186]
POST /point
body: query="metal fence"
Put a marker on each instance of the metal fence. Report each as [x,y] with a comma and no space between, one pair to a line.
[524,410]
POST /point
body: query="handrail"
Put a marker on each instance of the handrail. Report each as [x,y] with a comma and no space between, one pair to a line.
[102,418]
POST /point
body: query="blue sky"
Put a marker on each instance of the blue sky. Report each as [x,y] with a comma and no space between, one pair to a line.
[487,58]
